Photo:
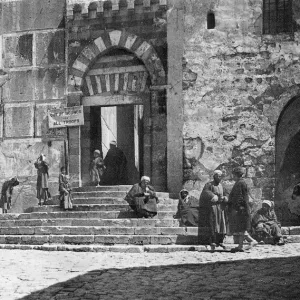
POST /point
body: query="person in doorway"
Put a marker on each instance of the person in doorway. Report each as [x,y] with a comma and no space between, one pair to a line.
[115,166]
[96,168]
[213,210]
[6,193]
[265,223]
[142,198]
[42,167]
[65,196]
[187,210]
[240,210]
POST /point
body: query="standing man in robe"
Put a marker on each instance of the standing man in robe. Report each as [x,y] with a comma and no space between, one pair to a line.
[213,210]
[6,193]
[240,210]
[115,166]
[42,192]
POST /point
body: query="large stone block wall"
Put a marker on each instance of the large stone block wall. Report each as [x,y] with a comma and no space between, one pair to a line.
[236,83]
[32,43]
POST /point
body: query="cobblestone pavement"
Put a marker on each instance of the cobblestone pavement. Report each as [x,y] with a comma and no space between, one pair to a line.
[267,272]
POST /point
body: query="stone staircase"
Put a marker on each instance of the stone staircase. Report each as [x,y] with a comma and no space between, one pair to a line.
[100,218]
[102,221]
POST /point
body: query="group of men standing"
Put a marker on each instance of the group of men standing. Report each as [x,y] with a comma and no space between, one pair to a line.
[224,213]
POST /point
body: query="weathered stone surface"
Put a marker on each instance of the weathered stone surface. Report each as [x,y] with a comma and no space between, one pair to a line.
[50,83]
[20,86]
[50,48]
[31,14]
[241,88]
[19,120]
[18,50]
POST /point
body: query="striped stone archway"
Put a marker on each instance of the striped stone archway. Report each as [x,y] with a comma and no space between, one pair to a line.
[116,39]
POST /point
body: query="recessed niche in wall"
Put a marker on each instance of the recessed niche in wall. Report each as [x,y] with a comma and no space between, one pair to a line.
[211,23]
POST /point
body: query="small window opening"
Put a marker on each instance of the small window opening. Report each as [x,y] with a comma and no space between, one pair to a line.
[211,22]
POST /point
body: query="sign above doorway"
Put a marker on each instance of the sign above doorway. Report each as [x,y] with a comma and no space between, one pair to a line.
[66,117]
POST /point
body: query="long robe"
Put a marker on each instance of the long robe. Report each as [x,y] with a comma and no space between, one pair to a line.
[240,207]
[213,214]
[42,180]
[188,211]
[115,167]
[6,193]
[65,195]
[141,204]
[265,224]
[96,170]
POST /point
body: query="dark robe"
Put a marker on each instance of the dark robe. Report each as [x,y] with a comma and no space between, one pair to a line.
[240,220]
[42,180]
[115,167]
[96,170]
[265,224]
[6,193]
[144,206]
[188,211]
[65,196]
[214,214]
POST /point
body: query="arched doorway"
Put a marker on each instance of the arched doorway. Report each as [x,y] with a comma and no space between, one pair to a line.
[112,77]
[287,143]
[115,99]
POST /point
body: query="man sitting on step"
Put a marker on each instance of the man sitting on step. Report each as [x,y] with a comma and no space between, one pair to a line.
[265,224]
[142,198]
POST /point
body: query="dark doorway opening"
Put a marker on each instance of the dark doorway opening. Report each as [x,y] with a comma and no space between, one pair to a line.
[123,124]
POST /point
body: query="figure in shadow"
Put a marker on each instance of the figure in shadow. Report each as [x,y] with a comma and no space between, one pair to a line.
[115,166]
[266,225]
[187,209]
[65,195]
[142,199]
[6,193]
[42,192]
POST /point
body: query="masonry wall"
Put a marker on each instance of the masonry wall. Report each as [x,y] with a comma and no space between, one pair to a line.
[237,82]
[33,56]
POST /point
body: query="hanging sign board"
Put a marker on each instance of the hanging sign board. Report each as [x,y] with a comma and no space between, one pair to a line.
[65,117]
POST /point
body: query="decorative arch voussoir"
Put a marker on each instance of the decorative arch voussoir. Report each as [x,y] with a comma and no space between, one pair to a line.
[116,38]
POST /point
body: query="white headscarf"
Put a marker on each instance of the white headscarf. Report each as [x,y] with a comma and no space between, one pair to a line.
[219,172]
[268,202]
[145,178]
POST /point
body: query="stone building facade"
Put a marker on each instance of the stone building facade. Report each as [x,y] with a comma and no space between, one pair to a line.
[184,86]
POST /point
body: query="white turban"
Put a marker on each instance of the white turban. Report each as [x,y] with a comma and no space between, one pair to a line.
[145,178]
[113,143]
[219,172]
[268,202]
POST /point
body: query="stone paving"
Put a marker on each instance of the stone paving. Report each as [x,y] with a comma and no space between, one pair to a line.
[266,272]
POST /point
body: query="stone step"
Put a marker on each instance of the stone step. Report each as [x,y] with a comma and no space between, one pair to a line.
[100,239]
[98,207]
[83,215]
[118,194]
[107,248]
[91,222]
[114,200]
[125,188]
[99,230]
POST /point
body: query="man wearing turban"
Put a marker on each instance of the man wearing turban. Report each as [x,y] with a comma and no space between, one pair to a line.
[187,209]
[265,223]
[115,166]
[213,210]
[6,193]
[240,210]
[142,199]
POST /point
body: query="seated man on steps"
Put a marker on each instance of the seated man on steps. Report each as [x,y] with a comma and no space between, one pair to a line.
[142,199]
[265,223]
[187,210]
